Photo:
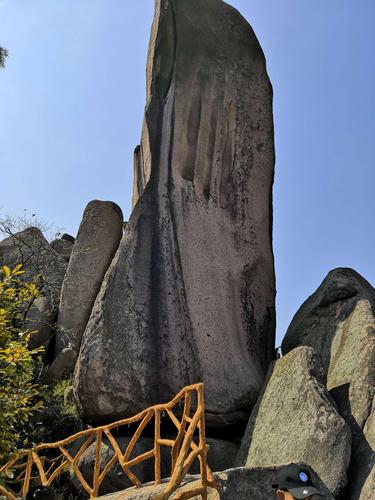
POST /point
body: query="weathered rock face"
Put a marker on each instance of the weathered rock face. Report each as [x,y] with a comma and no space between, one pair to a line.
[234,484]
[30,247]
[98,238]
[190,294]
[296,420]
[338,321]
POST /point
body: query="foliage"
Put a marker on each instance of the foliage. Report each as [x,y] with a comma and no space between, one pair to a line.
[3,56]
[30,413]
[58,418]
[18,392]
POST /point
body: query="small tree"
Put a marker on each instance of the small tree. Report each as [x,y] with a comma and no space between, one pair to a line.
[18,392]
[3,56]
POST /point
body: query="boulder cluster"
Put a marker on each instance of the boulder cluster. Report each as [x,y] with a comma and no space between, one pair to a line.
[184,292]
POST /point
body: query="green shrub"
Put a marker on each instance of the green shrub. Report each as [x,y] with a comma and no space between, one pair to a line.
[19,395]
[58,417]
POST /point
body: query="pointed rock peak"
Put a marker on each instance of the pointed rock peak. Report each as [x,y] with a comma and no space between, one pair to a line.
[316,321]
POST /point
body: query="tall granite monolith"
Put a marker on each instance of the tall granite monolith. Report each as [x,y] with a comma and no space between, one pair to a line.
[190,294]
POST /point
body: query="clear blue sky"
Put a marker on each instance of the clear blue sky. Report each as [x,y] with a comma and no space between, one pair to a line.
[71,107]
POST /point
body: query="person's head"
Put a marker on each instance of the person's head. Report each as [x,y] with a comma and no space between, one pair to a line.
[295,483]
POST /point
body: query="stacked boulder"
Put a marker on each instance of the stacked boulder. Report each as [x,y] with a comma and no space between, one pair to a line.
[338,322]
[296,420]
[317,404]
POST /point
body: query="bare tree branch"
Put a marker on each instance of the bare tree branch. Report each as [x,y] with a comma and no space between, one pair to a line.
[3,56]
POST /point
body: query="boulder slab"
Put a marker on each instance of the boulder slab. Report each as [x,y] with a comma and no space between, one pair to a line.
[296,420]
[190,294]
[233,484]
[97,240]
[338,321]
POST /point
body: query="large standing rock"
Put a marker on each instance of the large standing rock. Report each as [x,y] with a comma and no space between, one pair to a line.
[338,321]
[296,420]
[30,248]
[190,295]
[98,238]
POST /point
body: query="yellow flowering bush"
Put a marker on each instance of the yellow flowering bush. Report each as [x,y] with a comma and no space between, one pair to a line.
[18,392]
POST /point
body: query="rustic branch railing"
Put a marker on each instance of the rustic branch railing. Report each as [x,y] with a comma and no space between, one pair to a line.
[33,466]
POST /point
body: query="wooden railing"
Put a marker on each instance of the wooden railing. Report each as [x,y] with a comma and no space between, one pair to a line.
[33,466]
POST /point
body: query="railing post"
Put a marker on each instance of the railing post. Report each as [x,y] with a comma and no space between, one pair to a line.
[26,481]
[7,494]
[181,430]
[98,456]
[202,441]
[157,447]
